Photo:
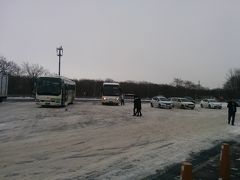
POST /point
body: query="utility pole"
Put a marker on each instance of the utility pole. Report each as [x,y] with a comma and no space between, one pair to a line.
[59,54]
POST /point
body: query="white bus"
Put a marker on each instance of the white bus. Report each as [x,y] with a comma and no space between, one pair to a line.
[111,93]
[55,91]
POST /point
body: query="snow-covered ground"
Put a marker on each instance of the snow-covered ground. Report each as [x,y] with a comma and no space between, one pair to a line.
[87,140]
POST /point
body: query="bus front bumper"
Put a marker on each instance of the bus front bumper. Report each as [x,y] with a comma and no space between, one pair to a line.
[109,100]
[52,102]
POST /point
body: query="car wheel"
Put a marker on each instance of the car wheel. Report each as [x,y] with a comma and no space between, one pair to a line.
[182,106]
[201,106]
[151,104]
[209,106]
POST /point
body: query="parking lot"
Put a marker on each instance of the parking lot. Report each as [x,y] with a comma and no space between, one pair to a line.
[87,140]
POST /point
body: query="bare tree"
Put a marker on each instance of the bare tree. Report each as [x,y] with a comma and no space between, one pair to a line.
[9,67]
[190,85]
[109,80]
[178,82]
[33,70]
[233,81]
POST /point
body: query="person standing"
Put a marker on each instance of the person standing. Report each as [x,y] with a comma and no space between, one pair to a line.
[122,100]
[134,105]
[139,106]
[232,109]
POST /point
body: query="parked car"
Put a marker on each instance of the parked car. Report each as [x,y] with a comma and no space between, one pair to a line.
[210,103]
[182,103]
[190,99]
[161,102]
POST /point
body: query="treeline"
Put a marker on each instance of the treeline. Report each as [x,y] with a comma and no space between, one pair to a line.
[24,86]
[22,81]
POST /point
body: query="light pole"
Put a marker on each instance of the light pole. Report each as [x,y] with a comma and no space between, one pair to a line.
[59,54]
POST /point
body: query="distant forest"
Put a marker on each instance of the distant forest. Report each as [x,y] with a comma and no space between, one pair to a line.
[24,86]
[22,81]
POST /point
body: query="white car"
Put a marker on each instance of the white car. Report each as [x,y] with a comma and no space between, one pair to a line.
[161,102]
[210,103]
[182,103]
[238,102]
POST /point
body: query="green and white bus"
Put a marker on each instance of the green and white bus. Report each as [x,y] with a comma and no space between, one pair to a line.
[55,91]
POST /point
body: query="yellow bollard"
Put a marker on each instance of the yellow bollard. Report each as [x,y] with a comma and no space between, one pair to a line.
[224,173]
[186,171]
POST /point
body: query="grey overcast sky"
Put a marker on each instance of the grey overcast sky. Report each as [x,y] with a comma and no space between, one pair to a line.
[141,40]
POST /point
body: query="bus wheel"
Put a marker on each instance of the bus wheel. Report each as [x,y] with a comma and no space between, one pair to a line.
[63,103]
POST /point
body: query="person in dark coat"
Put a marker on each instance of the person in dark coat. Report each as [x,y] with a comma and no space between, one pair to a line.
[135,105]
[122,100]
[139,107]
[232,109]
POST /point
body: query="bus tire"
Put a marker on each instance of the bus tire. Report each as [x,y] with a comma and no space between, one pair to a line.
[63,103]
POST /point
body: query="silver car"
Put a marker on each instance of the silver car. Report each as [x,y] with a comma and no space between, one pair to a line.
[161,102]
[210,103]
[182,103]
[238,102]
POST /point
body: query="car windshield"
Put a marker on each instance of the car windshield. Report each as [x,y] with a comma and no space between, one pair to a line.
[212,100]
[189,98]
[184,100]
[49,86]
[163,99]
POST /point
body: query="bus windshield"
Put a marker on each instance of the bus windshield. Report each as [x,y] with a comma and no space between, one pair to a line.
[49,86]
[111,90]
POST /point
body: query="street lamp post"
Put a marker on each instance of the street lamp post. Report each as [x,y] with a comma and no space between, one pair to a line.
[59,54]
